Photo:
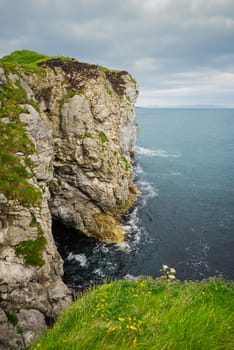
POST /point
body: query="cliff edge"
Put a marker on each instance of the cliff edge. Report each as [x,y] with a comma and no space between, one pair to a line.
[67,131]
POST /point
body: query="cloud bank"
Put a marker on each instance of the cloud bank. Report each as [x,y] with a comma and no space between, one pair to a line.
[181,52]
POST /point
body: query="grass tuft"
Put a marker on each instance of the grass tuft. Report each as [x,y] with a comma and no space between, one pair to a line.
[12,317]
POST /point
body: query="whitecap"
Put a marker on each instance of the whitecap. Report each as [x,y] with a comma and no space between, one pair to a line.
[142,151]
[175,173]
[80,258]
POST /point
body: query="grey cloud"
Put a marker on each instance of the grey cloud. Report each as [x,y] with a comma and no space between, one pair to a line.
[156,40]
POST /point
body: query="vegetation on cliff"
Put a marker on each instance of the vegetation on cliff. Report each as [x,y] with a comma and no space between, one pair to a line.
[15,146]
[147,314]
[29,60]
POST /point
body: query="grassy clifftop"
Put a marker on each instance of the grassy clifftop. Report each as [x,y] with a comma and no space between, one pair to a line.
[147,314]
[27,59]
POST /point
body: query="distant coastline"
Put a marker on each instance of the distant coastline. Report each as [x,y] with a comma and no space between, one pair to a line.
[186,107]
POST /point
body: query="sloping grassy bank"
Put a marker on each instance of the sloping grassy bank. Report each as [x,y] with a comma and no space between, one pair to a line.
[147,314]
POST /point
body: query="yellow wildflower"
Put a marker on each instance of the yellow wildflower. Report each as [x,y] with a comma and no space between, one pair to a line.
[121,319]
[133,328]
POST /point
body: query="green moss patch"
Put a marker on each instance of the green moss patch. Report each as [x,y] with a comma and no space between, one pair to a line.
[32,251]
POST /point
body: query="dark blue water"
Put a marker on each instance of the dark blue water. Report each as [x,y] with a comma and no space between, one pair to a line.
[184,218]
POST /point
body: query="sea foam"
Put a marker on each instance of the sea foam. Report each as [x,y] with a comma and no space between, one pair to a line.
[80,258]
[147,152]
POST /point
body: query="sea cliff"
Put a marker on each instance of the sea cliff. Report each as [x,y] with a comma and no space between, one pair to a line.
[67,131]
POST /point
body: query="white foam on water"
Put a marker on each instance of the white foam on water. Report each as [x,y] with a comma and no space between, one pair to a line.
[130,277]
[197,256]
[123,246]
[138,170]
[80,258]
[148,190]
[99,272]
[175,173]
[104,248]
[147,152]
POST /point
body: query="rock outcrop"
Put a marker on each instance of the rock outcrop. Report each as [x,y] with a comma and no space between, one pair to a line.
[67,131]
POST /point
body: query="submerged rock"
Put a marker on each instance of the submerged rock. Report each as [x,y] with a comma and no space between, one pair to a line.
[67,131]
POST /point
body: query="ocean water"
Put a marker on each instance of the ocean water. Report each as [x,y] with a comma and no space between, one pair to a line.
[184,217]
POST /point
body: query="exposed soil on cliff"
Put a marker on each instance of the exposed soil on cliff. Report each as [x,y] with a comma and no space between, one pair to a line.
[77,72]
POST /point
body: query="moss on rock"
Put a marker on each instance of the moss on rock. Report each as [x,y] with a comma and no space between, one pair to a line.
[15,147]
[32,251]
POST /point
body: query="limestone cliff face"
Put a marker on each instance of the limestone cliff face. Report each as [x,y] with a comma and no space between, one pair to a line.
[67,132]
[91,114]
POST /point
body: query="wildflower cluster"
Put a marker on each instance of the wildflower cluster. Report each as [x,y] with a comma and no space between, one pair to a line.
[130,323]
[168,272]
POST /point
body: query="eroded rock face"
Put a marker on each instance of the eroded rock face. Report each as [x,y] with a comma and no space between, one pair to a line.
[80,119]
[27,291]
[91,114]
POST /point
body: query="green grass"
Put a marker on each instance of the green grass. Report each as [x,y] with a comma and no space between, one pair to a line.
[23,57]
[147,314]
[27,59]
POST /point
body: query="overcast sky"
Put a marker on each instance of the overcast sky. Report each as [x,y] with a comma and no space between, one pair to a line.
[181,52]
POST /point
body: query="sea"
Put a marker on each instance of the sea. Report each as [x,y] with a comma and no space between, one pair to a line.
[184,216]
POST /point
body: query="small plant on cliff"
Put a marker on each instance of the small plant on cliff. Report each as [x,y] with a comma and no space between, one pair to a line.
[126,162]
[88,134]
[65,98]
[103,137]
[32,251]
[168,273]
[12,317]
